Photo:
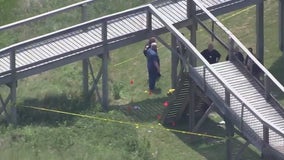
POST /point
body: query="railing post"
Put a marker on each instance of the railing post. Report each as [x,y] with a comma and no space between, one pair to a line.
[213,30]
[231,49]
[265,134]
[242,117]
[227,97]
[13,88]
[149,21]
[267,87]
[204,78]
[105,67]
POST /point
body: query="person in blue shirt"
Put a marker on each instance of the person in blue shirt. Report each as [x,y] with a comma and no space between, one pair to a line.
[153,65]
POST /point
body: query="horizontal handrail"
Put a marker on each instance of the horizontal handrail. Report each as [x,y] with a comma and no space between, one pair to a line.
[44,15]
[80,26]
[233,37]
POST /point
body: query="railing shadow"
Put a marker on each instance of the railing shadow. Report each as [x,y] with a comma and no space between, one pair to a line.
[148,110]
[63,102]
[209,146]
[277,70]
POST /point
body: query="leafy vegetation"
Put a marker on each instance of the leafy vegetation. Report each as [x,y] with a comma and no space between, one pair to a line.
[48,135]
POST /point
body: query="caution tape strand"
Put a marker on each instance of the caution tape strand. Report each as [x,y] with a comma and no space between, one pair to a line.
[136,125]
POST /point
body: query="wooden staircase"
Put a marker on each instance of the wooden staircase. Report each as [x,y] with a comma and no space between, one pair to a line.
[179,102]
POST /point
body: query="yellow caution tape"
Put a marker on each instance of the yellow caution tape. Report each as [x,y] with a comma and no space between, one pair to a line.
[136,125]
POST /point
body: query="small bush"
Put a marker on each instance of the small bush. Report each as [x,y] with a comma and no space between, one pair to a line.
[117,87]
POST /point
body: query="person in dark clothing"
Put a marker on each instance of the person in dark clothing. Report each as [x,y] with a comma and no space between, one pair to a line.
[237,54]
[148,45]
[251,66]
[153,66]
[210,54]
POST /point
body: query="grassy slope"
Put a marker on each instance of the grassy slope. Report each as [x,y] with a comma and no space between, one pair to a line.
[64,137]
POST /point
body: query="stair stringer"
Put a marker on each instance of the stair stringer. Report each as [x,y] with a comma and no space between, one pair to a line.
[224,110]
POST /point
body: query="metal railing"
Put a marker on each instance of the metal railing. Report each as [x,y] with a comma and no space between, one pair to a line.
[45,15]
[31,27]
[228,92]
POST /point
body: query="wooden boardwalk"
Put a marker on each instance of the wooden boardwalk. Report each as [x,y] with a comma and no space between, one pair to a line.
[85,40]
[249,109]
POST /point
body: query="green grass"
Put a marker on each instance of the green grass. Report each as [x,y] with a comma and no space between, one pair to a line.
[46,135]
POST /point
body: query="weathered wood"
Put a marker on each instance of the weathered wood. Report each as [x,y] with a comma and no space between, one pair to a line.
[281,25]
[174,62]
[260,31]
[203,118]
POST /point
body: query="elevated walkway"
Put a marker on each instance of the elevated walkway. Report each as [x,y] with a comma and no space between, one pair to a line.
[246,105]
[90,38]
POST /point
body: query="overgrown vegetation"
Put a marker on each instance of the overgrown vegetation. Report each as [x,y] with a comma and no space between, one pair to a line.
[48,135]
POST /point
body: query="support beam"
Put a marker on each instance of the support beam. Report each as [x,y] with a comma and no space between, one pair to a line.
[95,80]
[229,135]
[174,63]
[85,62]
[105,81]
[281,25]
[105,57]
[4,106]
[191,13]
[85,68]
[13,89]
[192,104]
[203,118]
[260,31]
[241,151]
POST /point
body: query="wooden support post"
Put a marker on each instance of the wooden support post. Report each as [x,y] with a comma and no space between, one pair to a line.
[265,142]
[281,25]
[174,62]
[192,105]
[229,128]
[191,13]
[260,31]
[213,30]
[105,81]
[85,62]
[13,89]
[240,153]
[203,118]
[85,66]
[229,134]
[105,68]
[149,23]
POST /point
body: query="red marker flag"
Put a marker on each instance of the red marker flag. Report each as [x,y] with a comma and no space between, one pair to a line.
[166,104]
[132,82]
